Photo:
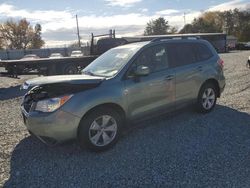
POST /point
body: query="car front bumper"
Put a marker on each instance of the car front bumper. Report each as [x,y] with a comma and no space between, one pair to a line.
[51,128]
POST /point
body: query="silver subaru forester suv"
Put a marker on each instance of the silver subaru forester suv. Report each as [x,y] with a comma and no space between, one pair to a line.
[126,83]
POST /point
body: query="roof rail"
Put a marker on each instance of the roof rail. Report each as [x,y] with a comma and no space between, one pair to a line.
[175,37]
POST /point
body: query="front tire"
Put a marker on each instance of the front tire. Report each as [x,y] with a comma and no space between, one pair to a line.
[100,129]
[207,98]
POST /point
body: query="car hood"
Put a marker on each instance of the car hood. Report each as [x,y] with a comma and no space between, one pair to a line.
[63,80]
[54,86]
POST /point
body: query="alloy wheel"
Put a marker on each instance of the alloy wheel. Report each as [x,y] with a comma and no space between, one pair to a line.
[103,130]
[208,98]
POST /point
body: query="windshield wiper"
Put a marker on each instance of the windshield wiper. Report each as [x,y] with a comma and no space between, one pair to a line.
[104,73]
[88,73]
[92,74]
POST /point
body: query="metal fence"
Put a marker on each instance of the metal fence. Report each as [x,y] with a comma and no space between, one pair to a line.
[43,53]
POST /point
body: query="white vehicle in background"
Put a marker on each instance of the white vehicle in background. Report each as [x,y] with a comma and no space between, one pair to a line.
[55,55]
[76,53]
[30,57]
[248,62]
[248,45]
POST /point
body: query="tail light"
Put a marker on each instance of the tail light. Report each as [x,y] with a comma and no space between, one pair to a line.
[221,63]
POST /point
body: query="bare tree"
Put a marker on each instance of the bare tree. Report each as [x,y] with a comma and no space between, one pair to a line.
[20,35]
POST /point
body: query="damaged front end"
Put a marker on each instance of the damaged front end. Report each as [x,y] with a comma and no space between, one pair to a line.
[62,91]
[41,100]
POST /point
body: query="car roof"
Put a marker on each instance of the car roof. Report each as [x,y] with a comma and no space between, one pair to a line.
[134,45]
[139,45]
[168,40]
[30,55]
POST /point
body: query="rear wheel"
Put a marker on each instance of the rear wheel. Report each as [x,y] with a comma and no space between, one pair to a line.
[207,98]
[100,130]
[70,69]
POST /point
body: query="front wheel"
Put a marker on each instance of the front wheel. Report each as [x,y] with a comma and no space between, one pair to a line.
[207,98]
[100,130]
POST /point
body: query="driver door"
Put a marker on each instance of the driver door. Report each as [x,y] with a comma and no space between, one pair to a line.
[154,92]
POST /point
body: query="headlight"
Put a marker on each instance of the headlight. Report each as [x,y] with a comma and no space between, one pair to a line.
[24,86]
[52,104]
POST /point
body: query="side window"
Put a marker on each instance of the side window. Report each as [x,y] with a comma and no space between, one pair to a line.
[181,54]
[156,58]
[203,52]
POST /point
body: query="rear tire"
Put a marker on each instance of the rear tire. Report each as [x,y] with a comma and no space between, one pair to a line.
[100,129]
[70,69]
[207,98]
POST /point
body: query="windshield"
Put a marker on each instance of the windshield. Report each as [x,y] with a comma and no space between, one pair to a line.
[111,62]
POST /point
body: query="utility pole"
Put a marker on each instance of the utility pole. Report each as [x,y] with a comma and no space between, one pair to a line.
[78,35]
[184,17]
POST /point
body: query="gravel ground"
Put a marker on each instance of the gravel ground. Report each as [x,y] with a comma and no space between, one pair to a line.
[182,150]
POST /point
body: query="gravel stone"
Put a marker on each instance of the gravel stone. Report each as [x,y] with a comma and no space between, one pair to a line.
[184,149]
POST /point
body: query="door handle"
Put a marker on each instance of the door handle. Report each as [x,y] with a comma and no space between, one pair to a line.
[169,77]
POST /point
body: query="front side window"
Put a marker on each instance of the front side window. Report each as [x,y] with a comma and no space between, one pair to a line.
[156,58]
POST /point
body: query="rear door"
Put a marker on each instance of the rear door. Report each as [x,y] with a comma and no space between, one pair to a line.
[188,71]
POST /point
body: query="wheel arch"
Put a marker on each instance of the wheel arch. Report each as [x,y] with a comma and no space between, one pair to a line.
[114,106]
[215,83]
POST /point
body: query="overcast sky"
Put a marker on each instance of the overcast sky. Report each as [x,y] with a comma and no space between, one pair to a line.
[127,17]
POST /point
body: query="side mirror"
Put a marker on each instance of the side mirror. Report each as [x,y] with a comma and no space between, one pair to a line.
[142,70]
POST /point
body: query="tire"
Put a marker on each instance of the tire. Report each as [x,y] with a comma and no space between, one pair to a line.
[93,131]
[70,69]
[51,70]
[248,64]
[207,98]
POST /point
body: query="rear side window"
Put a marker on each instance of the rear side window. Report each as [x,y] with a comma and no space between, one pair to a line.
[202,51]
[181,54]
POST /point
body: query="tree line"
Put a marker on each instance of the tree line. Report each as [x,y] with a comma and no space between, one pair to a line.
[232,22]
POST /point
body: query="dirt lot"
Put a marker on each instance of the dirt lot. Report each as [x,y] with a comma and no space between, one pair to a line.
[182,150]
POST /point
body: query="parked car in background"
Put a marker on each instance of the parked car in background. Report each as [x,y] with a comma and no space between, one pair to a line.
[248,62]
[56,55]
[76,53]
[243,46]
[30,57]
[126,83]
[231,42]
[247,45]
